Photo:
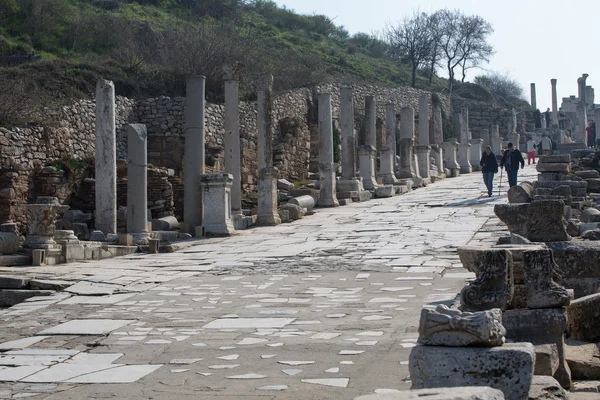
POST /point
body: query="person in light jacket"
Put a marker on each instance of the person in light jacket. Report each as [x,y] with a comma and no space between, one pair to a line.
[511,160]
[489,166]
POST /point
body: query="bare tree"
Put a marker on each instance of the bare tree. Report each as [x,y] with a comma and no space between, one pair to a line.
[475,48]
[433,24]
[411,42]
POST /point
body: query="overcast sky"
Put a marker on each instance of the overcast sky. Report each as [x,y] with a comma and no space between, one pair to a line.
[535,40]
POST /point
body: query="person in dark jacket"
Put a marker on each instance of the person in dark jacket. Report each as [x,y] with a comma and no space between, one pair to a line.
[510,161]
[489,166]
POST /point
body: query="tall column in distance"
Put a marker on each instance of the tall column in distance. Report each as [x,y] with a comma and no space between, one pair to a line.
[554,104]
[106,158]
[581,110]
[423,150]
[232,138]
[137,183]
[194,152]
[348,135]
[438,129]
[406,169]
[267,174]
[533,97]
[371,121]
[390,128]
[327,167]
[368,152]
[387,155]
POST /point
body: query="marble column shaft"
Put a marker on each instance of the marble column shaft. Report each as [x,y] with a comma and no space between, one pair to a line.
[424,120]
[137,182]
[371,121]
[438,129]
[554,104]
[232,138]
[390,128]
[476,153]
[106,158]
[327,168]
[407,136]
[348,134]
[533,97]
[367,153]
[581,136]
[194,151]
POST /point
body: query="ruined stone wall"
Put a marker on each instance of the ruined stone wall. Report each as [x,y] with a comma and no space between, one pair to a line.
[484,115]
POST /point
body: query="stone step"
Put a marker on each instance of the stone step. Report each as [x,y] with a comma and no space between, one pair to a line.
[10,297]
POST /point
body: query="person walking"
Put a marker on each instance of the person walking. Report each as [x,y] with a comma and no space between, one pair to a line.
[510,161]
[489,166]
[531,145]
[588,131]
[545,145]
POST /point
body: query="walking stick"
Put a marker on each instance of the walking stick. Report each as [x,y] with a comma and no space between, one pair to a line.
[500,185]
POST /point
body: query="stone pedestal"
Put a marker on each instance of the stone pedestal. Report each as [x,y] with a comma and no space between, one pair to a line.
[424,159]
[327,168]
[267,197]
[41,219]
[437,153]
[464,158]
[366,161]
[476,153]
[71,247]
[232,152]
[137,183]
[216,192]
[194,151]
[386,163]
[406,168]
[106,158]
[450,158]
[515,139]
[348,135]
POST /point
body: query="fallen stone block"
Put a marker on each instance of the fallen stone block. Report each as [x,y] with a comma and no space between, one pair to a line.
[521,193]
[345,202]
[295,211]
[542,291]
[546,221]
[456,393]
[593,234]
[546,388]
[554,167]
[583,359]
[584,318]
[49,284]
[14,282]
[306,201]
[559,158]
[9,243]
[385,191]
[508,368]
[590,173]
[546,359]
[590,215]
[97,236]
[165,224]
[593,185]
[10,297]
[284,184]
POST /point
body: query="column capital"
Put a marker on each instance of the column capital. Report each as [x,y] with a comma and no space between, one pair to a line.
[553,81]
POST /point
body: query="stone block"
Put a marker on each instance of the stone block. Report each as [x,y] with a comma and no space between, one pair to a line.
[456,393]
[546,388]
[593,185]
[81,230]
[542,291]
[583,359]
[592,234]
[584,318]
[305,201]
[543,326]
[590,215]
[546,221]
[579,266]
[556,159]
[521,193]
[153,246]
[559,168]
[9,243]
[385,191]
[38,257]
[591,173]
[125,240]
[295,211]
[546,359]
[352,185]
[165,224]
[344,202]
[285,185]
[13,282]
[10,297]
[97,236]
[347,195]
[508,368]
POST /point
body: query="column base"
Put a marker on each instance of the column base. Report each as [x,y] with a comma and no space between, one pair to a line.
[241,222]
[267,197]
[327,197]
[140,238]
[216,190]
[366,158]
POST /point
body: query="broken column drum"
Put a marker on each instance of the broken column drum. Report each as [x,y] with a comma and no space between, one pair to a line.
[327,168]
[106,158]
[194,151]
[137,183]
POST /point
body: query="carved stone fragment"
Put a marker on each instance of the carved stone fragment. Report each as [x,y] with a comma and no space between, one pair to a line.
[540,275]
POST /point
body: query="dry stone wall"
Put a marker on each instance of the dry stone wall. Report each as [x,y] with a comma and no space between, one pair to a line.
[484,115]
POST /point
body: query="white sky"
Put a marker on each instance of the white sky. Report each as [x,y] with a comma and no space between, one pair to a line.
[535,40]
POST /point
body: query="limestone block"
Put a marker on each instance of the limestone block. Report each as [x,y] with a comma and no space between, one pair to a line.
[494,285]
[579,266]
[591,173]
[446,327]
[592,234]
[514,216]
[284,184]
[593,185]
[584,318]
[10,297]
[153,246]
[97,236]
[542,326]
[590,215]
[542,291]
[555,159]
[38,257]
[456,393]
[546,359]
[521,193]
[350,185]
[385,191]
[546,388]
[583,359]
[165,224]
[306,201]
[546,221]
[555,167]
[508,368]
[13,282]
[295,211]
[9,243]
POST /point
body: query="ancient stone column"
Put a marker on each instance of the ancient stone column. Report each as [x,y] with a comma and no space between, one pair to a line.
[580,136]
[267,174]
[496,140]
[464,158]
[216,191]
[438,130]
[476,153]
[406,169]
[232,139]
[485,135]
[533,97]
[461,125]
[423,151]
[554,104]
[327,167]
[387,155]
[106,158]
[137,183]
[348,135]
[194,152]
[450,150]
[368,152]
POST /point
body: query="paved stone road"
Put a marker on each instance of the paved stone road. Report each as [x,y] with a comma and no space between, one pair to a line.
[324,308]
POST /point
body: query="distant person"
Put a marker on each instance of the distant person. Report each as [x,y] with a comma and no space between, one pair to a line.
[510,161]
[569,125]
[593,134]
[548,115]
[561,118]
[545,145]
[489,166]
[537,117]
[588,131]
[531,145]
